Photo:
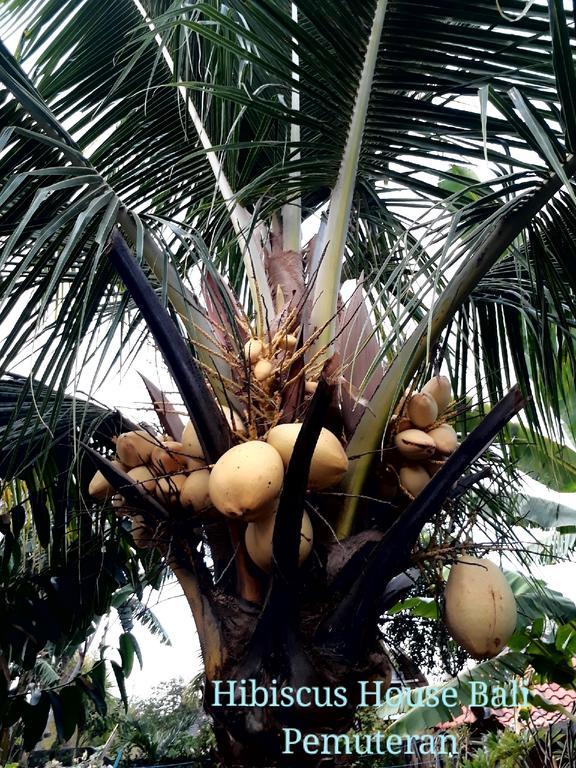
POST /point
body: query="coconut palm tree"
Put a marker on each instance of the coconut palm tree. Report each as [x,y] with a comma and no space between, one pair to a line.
[163,167]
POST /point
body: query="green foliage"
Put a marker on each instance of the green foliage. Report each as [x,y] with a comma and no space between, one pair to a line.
[62,562]
[545,460]
[168,725]
[502,750]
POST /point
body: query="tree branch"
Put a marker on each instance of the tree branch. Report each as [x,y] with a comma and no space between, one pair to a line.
[371,427]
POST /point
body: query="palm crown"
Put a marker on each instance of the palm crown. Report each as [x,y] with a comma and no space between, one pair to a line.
[164,158]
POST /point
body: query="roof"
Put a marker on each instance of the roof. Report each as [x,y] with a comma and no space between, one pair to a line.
[509,716]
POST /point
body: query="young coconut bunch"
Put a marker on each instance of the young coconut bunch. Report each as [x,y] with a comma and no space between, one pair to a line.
[244,485]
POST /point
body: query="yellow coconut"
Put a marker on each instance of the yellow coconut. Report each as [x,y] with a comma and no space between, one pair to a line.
[144,478]
[422,410]
[191,442]
[99,487]
[445,439]
[414,478]
[263,370]
[194,492]
[135,448]
[169,457]
[415,444]
[329,461]
[253,350]
[168,489]
[479,607]
[258,539]
[246,481]
[285,341]
[439,388]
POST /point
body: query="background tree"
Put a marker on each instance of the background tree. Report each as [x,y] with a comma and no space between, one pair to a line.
[152,149]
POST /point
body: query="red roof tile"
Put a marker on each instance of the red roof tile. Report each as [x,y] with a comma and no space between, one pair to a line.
[539,717]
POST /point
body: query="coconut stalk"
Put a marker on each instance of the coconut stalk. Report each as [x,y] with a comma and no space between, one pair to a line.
[368,434]
[329,273]
[280,613]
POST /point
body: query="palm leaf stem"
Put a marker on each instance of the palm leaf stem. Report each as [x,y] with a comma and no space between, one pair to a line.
[182,299]
[239,216]
[292,211]
[327,286]
[482,258]
[211,427]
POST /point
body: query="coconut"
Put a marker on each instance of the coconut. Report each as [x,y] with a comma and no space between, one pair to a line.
[141,533]
[246,481]
[422,410]
[329,461]
[479,607]
[168,489]
[445,439]
[286,341]
[440,389]
[263,370]
[414,478]
[415,444]
[258,539]
[135,448]
[169,457]
[253,350]
[144,478]
[194,492]
[100,488]
[191,443]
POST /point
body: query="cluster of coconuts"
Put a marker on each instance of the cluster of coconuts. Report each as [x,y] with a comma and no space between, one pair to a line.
[264,358]
[423,438]
[246,482]
[479,607]
[166,469]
